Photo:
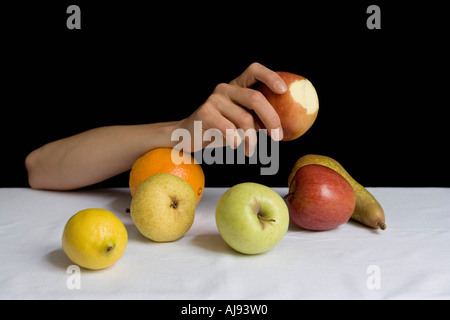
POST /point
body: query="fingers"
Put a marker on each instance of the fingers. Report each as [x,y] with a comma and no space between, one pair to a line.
[257,72]
[212,118]
[236,106]
[234,122]
[255,101]
[252,100]
[242,119]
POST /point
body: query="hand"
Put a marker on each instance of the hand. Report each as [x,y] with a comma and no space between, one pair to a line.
[235,105]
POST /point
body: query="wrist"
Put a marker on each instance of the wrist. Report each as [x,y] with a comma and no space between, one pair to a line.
[159,135]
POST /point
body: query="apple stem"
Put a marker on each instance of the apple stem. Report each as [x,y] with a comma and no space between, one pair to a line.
[262,218]
[287,196]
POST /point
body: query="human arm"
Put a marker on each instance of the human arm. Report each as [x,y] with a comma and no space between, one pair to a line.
[94,155]
[98,154]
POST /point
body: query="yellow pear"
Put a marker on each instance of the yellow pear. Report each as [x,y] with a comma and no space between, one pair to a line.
[368,210]
[163,207]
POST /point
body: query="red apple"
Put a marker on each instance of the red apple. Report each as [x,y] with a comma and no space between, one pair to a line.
[320,198]
[297,107]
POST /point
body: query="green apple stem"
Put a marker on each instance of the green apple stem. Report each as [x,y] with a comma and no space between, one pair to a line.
[264,219]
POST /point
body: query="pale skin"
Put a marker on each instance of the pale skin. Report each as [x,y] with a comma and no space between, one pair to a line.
[101,153]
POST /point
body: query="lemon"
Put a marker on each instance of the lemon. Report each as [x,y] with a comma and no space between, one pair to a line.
[94,238]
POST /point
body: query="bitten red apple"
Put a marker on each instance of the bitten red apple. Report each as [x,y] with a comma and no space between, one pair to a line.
[297,107]
[320,198]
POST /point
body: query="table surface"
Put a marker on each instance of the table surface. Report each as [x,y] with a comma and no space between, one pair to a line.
[409,260]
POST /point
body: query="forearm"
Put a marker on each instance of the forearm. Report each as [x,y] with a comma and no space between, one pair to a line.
[94,155]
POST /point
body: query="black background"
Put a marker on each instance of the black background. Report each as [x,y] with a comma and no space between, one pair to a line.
[382,92]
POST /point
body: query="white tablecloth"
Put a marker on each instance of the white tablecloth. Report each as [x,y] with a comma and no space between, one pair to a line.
[410,260]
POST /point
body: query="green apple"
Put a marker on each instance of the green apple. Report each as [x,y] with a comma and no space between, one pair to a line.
[163,207]
[252,218]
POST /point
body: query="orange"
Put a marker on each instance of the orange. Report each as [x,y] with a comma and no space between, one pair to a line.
[160,161]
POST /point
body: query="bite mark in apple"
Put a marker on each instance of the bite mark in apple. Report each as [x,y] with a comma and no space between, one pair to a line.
[303,92]
[297,108]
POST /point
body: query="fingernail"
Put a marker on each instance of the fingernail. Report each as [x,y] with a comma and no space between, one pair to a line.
[251,151]
[277,134]
[281,86]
